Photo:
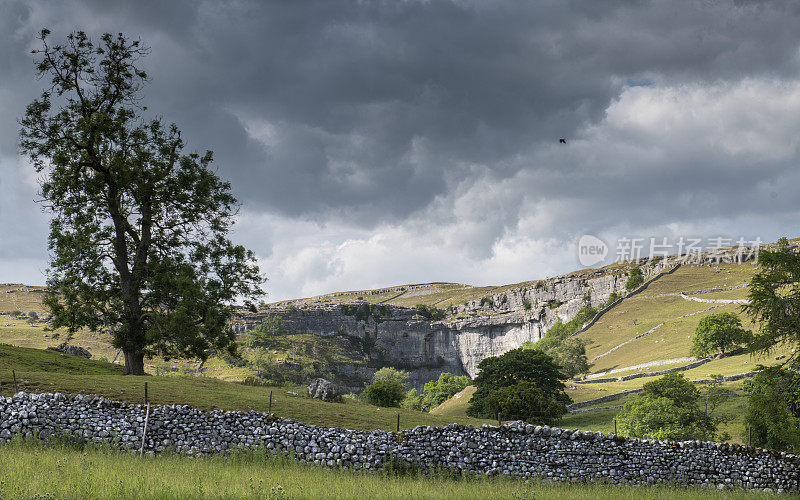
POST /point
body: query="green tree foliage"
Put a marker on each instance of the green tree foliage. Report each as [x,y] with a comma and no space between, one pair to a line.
[773,409]
[635,279]
[438,391]
[412,400]
[264,334]
[666,409]
[429,312]
[560,331]
[388,387]
[719,332]
[526,303]
[524,401]
[139,229]
[611,299]
[528,368]
[570,356]
[569,353]
[774,300]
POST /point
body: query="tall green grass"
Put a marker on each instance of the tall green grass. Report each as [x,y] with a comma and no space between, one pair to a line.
[62,470]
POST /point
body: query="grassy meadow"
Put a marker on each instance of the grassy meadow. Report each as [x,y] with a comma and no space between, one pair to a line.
[31,470]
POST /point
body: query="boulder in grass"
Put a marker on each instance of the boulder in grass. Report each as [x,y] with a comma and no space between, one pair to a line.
[319,388]
[72,350]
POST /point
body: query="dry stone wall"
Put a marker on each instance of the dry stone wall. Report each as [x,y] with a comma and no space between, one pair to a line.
[516,449]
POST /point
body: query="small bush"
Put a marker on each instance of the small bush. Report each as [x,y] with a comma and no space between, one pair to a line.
[394,466]
[263,334]
[526,303]
[429,312]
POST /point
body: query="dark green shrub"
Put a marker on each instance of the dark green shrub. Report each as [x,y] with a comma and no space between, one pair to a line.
[635,279]
[429,312]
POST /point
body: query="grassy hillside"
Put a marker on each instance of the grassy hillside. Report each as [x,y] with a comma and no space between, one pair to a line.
[44,371]
[25,360]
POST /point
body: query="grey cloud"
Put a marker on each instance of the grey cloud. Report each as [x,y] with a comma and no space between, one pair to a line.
[479,82]
[385,112]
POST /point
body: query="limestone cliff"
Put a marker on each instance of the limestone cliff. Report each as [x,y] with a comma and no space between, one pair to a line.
[471,331]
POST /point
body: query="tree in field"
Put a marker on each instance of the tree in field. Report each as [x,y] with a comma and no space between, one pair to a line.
[719,332]
[667,409]
[774,300]
[525,383]
[138,234]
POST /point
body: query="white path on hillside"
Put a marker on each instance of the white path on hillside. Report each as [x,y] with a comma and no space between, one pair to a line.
[714,301]
[692,292]
[648,332]
[649,364]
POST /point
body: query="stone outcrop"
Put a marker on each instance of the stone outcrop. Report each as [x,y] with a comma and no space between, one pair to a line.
[516,449]
[471,331]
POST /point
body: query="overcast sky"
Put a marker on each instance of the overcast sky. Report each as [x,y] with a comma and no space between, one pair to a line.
[381,143]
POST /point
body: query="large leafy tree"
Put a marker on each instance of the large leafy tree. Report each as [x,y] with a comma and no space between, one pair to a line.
[667,409]
[774,300]
[522,383]
[719,332]
[138,235]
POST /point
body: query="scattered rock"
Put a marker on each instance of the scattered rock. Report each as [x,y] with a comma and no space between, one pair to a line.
[72,350]
[319,388]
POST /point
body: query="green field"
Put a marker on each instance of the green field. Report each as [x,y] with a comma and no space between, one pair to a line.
[33,471]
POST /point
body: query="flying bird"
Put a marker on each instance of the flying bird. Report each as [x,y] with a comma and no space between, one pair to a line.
[562,141]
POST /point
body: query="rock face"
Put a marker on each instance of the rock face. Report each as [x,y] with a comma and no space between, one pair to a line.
[72,350]
[472,331]
[319,388]
[516,449]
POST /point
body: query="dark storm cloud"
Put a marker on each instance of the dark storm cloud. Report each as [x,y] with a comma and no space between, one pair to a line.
[380,106]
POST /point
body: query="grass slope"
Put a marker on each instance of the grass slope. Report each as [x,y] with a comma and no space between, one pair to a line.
[44,371]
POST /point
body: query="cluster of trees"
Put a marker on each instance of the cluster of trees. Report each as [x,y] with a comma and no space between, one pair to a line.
[436,392]
[264,334]
[569,353]
[388,388]
[429,312]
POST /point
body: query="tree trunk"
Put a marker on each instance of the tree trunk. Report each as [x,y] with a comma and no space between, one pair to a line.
[134,363]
